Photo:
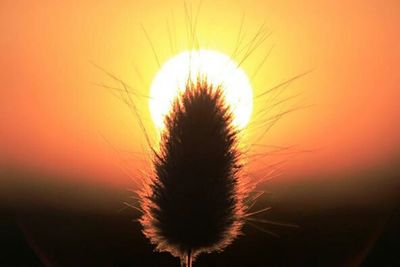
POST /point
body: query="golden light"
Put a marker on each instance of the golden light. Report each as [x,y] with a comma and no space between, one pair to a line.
[218,68]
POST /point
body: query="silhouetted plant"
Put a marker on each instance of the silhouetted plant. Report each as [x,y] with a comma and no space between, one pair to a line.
[194,203]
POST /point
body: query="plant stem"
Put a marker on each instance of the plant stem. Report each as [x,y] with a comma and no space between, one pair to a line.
[186,261]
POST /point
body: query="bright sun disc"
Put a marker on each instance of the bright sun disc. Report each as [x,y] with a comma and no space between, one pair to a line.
[217,68]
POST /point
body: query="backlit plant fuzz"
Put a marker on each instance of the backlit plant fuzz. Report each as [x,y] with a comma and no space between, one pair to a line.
[219,69]
[195,201]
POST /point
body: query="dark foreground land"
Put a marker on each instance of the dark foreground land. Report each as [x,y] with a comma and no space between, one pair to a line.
[70,225]
[325,238]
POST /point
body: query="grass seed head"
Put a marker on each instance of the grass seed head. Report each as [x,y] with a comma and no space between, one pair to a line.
[194,203]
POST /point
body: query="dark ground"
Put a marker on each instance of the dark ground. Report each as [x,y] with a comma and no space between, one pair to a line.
[327,238]
[65,224]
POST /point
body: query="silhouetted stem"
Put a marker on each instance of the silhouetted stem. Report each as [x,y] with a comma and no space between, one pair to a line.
[187,260]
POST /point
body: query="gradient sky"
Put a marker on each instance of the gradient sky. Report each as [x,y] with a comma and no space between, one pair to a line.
[55,119]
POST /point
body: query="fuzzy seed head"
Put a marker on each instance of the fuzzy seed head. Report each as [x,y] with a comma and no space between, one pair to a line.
[194,203]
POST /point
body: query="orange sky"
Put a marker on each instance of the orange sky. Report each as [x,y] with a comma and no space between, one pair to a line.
[54,118]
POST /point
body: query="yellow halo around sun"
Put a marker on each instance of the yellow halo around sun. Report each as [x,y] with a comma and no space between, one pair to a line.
[218,68]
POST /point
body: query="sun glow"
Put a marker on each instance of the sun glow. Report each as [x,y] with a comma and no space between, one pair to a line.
[217,68]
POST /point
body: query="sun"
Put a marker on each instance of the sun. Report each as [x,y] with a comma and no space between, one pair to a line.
[218,68]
